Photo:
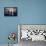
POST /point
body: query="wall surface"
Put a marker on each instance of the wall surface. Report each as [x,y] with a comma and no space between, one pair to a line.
[29,12]
[7,24]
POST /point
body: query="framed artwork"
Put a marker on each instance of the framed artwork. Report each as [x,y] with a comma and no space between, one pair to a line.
[10,11]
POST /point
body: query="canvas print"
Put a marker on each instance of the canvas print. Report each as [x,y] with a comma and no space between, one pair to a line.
[10,11]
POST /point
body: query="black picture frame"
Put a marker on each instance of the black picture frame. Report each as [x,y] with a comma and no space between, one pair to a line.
[10,11]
